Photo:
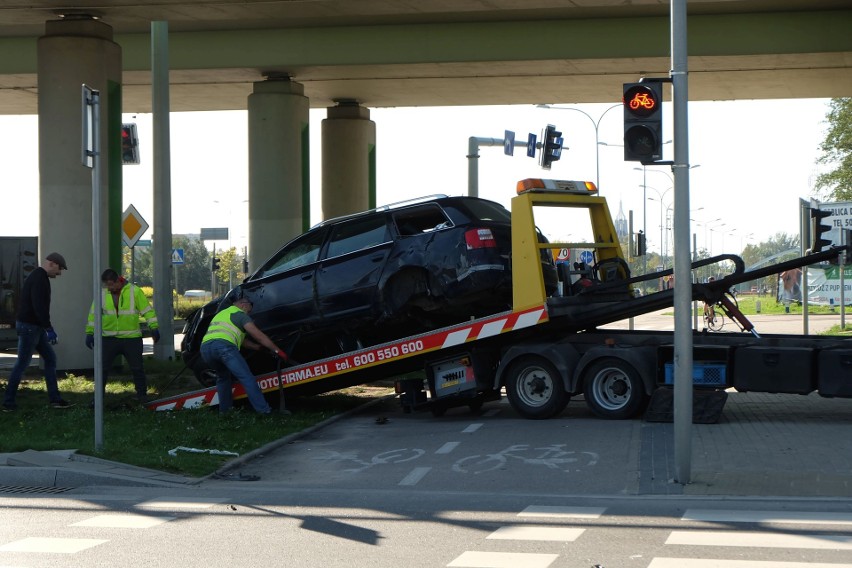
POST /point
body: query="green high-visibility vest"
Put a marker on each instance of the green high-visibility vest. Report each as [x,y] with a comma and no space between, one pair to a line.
[222,328]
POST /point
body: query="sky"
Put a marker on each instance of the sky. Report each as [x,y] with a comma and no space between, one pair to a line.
[751,163]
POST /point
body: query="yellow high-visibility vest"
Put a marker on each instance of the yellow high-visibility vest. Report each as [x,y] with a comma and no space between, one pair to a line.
[222,328]
[122,321]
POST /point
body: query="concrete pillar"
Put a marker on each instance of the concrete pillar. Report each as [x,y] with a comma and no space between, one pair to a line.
[72,52]
[348,160]
[279,184]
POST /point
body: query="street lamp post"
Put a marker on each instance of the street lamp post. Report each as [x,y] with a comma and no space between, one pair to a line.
[660,196]
[596,124]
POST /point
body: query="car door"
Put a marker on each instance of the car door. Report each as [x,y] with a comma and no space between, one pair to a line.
[284,289]
[354,259]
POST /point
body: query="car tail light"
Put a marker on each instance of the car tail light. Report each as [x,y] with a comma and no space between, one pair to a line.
[479,238]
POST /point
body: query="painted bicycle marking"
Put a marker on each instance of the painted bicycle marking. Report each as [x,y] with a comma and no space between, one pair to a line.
[391,456]
[553,457]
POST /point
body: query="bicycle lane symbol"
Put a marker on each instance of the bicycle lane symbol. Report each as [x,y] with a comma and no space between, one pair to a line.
[554,456]
[401,455]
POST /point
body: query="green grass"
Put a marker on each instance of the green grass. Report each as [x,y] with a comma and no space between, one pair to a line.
[137,436]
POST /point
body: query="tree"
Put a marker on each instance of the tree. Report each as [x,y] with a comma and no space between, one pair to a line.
[836,185]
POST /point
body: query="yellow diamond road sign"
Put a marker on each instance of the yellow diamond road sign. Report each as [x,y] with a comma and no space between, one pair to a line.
[133,226]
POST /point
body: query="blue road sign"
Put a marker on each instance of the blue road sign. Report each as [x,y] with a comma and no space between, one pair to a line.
[587,257]
[531,145]
[509,143]
[177,256]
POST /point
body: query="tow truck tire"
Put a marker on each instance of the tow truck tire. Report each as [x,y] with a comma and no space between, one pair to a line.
[614,389]
[535,388]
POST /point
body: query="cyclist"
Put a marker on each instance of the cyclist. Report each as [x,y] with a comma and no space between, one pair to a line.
[709,312]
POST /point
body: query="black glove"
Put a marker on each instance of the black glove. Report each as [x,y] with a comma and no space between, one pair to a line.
[90,341]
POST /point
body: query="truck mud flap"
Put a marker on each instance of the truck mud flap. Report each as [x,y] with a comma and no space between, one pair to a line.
[707,406]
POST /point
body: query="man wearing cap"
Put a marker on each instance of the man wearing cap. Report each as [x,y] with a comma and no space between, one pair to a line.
[220,349]
[35,332]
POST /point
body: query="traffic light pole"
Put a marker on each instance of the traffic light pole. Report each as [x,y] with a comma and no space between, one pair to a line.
[683,386]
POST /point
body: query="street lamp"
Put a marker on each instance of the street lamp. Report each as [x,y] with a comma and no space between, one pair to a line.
[596,124]
[711,229]
[660,196]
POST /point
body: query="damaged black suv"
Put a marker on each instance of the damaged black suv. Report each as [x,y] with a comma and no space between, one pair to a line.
[375,276]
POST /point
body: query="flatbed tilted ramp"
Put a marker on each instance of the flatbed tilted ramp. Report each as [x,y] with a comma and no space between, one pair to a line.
[373,363]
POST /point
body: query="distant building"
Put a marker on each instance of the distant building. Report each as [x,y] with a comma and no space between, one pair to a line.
[621,226]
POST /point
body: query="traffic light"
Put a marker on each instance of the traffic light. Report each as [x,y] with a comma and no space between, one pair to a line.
[214,265]
[818,242]
[129,144]
[643,122]
[640,244]
[551,146]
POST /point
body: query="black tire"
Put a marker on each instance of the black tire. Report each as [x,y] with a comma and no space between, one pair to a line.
[535,388]
[203,373]
[614,389]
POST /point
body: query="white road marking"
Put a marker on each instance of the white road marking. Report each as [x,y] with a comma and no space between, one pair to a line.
[130,521]
[51,545]
[415,476]
[471,559]
[472,428]
[182,503]
[712,563]
[760,539]
[527,532]
[447,448]
[562,512]
[803,517]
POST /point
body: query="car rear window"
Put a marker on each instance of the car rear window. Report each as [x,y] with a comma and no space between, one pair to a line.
[419,220]
[484,210]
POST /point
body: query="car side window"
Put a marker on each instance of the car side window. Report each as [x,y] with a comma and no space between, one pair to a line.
[301,252]
[358,235]
[419,220]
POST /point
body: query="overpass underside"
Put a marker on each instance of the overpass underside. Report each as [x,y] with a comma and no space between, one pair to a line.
[732,56]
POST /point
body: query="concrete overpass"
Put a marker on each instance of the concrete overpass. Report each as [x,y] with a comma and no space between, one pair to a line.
[434,52]
[279,58]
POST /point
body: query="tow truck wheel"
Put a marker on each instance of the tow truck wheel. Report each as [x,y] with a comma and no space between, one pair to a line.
[614,389]
[535,388]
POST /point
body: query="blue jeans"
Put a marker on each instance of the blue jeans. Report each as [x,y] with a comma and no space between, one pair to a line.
[224,357]
[32,338]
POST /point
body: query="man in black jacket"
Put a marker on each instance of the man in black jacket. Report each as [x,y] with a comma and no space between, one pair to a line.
[35,332]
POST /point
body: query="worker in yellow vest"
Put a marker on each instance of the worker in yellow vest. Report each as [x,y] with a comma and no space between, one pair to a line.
[123,306]
[220,349]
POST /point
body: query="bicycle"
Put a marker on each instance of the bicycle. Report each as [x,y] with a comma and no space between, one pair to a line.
[713,320]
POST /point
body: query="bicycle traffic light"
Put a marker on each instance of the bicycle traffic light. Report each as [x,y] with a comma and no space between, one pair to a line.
[643,122]
[129,144]
[551,146]
[818,241]
[214,265]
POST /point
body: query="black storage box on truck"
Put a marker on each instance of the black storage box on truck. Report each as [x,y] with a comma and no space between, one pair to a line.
[18,257]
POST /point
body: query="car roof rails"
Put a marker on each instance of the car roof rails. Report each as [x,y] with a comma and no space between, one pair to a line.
[388,207]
